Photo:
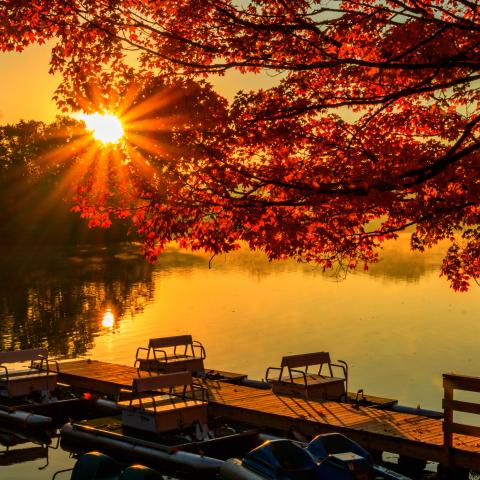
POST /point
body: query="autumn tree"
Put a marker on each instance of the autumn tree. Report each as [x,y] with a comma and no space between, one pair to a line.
[371,129]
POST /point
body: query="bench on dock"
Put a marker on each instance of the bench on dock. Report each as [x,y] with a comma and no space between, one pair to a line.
[164,403]
[171,354]
[20,381]
[294,378]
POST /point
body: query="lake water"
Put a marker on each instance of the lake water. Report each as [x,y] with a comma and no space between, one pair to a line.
[398,325]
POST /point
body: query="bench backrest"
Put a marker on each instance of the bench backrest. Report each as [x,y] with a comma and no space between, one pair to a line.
[174,341]
[305,359]
[30,354]
[145,384]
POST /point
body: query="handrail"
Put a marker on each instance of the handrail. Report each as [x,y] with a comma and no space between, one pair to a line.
[142,348]
[159,350]
[197,344]
[301,372]
[344,366]
[452,382]
[280,369]
[6,372]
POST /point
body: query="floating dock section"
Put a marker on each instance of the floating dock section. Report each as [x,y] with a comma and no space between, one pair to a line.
[406,434]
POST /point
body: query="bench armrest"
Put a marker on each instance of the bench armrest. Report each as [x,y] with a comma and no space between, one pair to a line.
[137,360]
[57,366]
[197,345]
[138,351]
[39,366]
[301,372]
[158,350]
[6,371]
[140,402]
[199,388]
[47,365]
[344,366]
[267,378]
[49,368]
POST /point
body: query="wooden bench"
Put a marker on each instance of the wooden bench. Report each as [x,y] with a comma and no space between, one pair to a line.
[24,381]
[294,378]
[160,403]
[171,354]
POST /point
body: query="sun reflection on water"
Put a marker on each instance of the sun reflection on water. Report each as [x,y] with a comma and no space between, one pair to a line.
[108,319]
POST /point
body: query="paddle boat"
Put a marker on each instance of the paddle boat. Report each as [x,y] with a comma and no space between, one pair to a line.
[327,457]
[163,425]
[98,466]
[30,398]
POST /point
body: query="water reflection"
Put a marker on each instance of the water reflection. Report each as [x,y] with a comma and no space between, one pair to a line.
[398,263]
[20,447]
[62,300]
[28,455]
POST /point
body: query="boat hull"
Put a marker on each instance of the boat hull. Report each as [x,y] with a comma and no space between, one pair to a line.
[24,420]
[133,450]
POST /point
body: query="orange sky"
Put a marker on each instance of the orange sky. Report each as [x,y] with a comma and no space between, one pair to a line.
[26,88]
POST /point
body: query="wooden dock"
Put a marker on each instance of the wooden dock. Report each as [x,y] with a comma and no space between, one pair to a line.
[405,434]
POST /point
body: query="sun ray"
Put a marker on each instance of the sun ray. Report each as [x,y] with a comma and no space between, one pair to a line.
[46,207]
[140,162]
[155,102]
[65,152]
[146,143]
[77,171]
[127,99]
[161,124]
[91,96]
[66,131]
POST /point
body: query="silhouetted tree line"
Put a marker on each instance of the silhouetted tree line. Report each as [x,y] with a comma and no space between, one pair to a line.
[36,177]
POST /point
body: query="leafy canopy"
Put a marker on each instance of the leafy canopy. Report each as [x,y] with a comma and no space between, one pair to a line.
[372,127]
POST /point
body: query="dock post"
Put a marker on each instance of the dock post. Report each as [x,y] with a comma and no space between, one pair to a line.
[446,467]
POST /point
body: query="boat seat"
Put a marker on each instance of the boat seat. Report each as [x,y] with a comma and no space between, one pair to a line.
[153,409]
[177,403]
[171,354]
[25,376]
[20,381]
[160,402]
[294,378]
[144,401]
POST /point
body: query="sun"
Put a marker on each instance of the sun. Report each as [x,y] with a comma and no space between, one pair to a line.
[105,127]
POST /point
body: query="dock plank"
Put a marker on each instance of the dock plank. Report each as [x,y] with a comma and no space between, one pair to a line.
[403,433]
